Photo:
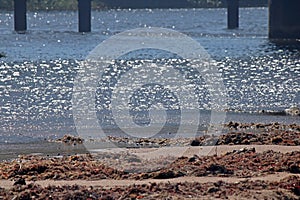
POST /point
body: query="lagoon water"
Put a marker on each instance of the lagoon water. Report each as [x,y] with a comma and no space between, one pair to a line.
[37,75]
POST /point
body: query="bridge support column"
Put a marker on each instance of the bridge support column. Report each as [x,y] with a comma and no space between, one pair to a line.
[84,15]
[20,15]
[284,19]
[232,14]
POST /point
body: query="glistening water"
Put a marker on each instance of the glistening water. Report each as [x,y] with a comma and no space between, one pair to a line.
[39,68]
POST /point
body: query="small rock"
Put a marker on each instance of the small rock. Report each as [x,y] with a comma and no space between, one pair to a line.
[20,181]
[195,143]
[168,174]
[243,150]
[294,169]
[296,190]
[277,140]
[294,111]
[213,189]
[218,169]
[233,125]
[193,159]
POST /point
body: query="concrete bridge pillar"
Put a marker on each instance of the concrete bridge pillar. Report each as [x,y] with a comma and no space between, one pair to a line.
[284,19]
[232,14]
[20,15]
[84,15]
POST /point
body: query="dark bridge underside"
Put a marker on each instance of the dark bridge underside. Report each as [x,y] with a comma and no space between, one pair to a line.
[147,3]
[175,3]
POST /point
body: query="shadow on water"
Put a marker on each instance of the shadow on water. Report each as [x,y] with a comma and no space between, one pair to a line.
[2,55]
[286,44]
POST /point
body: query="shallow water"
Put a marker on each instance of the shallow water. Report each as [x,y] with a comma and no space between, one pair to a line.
[37,75]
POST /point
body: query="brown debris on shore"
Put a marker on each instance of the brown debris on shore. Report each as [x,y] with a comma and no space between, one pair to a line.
[57,168]
[241,164]
[284,189]
[286,138]
[244,163]
[260,126]
[233,164]
[235,133]
[248,165]
[253,134]
[70,140]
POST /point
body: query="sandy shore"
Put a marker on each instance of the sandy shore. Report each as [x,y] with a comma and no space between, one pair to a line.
[175,169]
[153,153]
[109,183]
[270,180]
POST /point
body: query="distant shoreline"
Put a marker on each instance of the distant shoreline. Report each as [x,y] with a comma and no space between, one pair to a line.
[60,5]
